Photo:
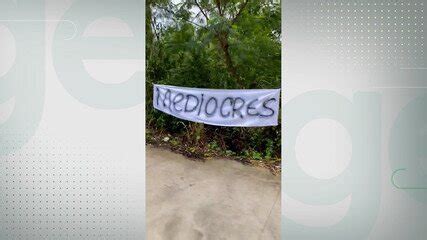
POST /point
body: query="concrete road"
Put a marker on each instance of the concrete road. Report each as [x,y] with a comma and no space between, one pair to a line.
[215,199]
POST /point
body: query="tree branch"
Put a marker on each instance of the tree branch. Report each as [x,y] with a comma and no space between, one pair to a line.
[231,68]
[154,28]
[201,10]
[218,5]
[240,11]
[173,15]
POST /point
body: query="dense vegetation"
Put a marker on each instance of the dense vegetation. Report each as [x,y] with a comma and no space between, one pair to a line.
[226,44]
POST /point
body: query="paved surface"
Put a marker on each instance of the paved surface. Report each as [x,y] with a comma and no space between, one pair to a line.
[215,199]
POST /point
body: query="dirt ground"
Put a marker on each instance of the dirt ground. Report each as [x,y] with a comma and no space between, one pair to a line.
[214,199]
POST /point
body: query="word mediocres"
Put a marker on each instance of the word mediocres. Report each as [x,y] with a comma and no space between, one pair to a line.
[219,107]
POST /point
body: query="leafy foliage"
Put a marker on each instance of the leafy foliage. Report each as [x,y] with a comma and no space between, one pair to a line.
[214,44]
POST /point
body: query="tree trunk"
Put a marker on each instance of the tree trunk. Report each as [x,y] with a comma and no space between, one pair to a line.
[224,45]
[148,30]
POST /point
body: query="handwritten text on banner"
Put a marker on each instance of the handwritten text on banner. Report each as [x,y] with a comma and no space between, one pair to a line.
[221,107]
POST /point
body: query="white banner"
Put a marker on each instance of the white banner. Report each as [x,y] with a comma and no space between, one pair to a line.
[221,107]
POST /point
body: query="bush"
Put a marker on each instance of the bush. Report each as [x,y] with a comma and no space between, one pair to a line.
[183,53]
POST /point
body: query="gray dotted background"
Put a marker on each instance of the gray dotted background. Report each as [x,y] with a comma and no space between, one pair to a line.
[381,43]
[59,189]
[386,33]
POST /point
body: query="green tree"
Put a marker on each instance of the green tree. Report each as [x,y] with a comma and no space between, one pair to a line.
[215,44]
